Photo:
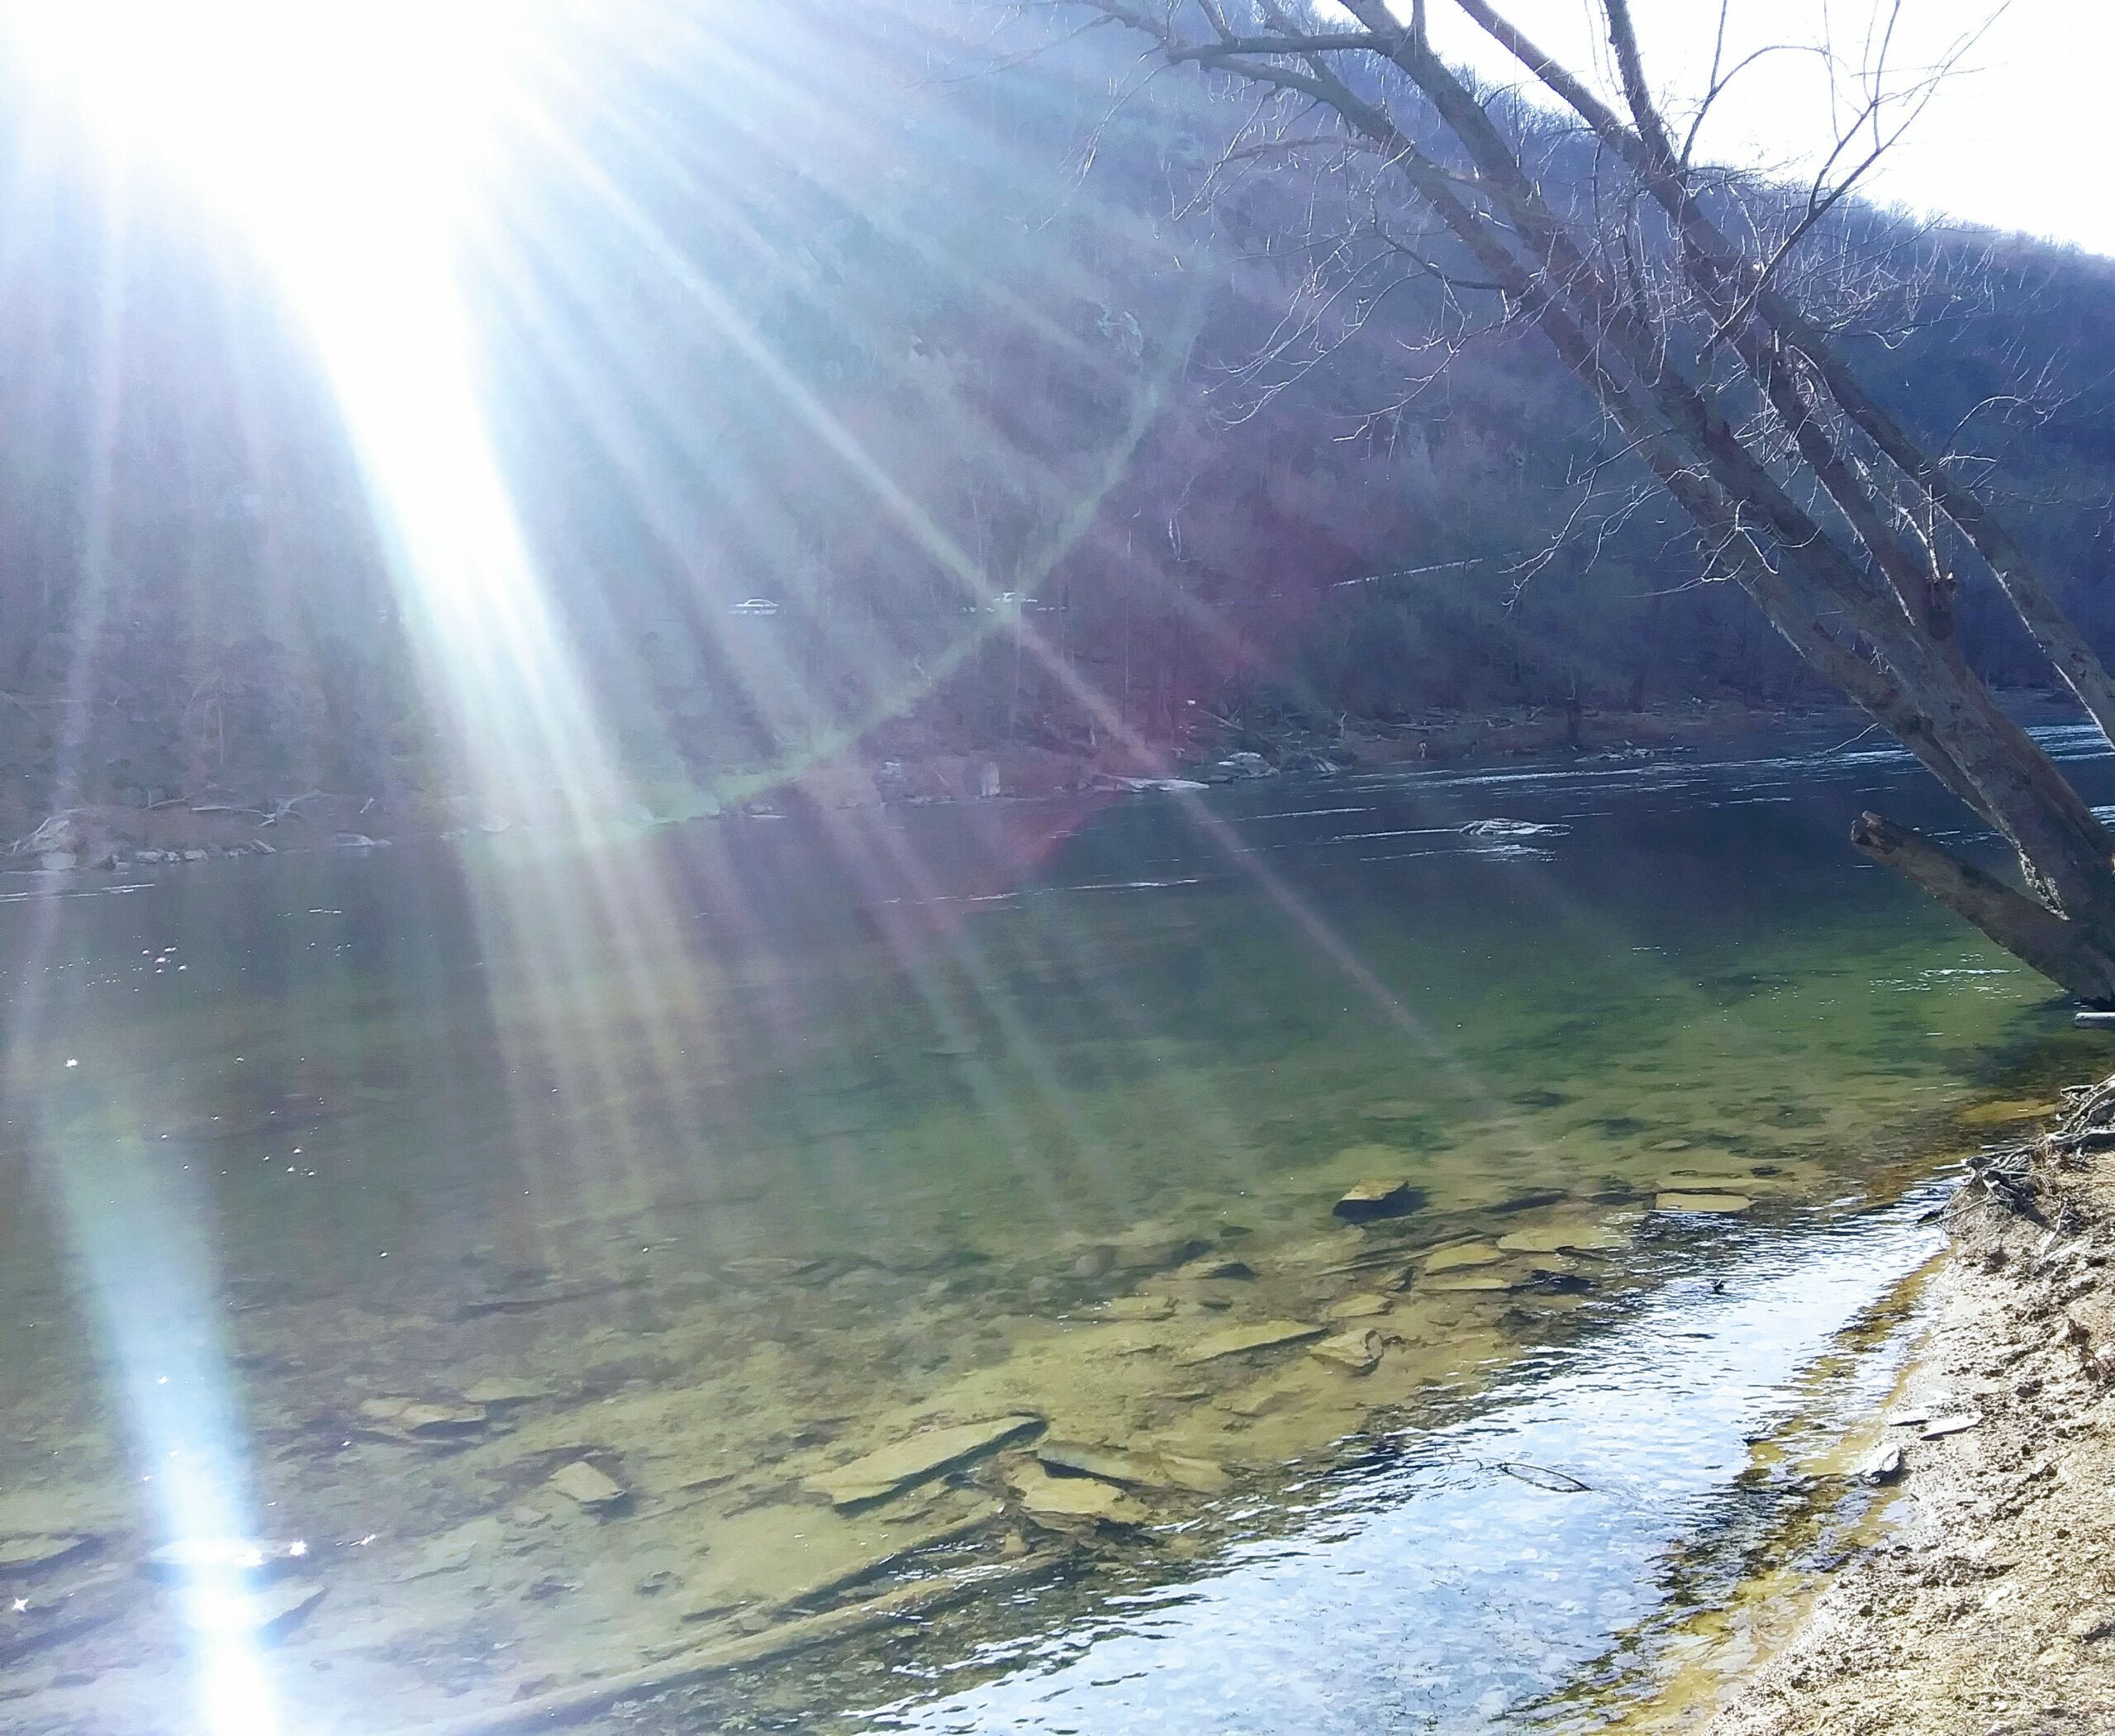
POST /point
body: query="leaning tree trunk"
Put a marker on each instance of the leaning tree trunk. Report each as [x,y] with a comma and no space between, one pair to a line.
[1810,499]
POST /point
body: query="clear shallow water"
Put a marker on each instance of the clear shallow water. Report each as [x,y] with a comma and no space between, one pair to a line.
[1454,1576]
[751,1146]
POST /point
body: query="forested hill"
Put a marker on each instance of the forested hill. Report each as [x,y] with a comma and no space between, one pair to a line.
[881,381]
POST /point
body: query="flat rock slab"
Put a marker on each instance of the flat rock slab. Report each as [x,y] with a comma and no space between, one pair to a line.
[1457,1255]
[1134,1470]
[2005,1111]
[22,1556]
[880,1475]
[1380,1197]
[1216,1266]
[1358,1350]
[793,1553]
[242,1559]
[1255,1335]
[1459,1283]
[1074,1498]
[1941,1426]
[421,1420]
[595,1490]
[1361,1304]
[1712,1204]
[1586,1235]
[492,1393]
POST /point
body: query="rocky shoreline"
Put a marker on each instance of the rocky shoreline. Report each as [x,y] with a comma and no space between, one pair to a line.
[1986,1602]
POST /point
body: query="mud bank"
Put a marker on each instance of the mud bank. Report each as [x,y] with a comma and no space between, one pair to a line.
[1986,1603]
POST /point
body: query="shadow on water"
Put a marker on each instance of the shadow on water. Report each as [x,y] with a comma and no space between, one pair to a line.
[892,1121]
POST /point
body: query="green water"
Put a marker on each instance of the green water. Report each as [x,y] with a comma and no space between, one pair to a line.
[737,1151]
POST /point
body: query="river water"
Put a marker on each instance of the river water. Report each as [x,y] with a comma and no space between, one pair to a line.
[713,1157]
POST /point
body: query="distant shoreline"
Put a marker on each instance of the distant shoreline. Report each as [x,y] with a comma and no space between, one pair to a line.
[110,837]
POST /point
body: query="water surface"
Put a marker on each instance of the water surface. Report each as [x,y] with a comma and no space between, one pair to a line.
[730,1152]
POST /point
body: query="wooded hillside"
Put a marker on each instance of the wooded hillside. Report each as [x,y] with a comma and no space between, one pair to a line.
[939,395]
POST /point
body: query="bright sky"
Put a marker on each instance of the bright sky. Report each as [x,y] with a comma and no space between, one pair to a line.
[2018,139]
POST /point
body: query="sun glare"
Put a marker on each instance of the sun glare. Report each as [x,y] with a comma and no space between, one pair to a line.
[282,112]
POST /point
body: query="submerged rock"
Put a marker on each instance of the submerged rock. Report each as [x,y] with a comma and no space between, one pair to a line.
[243,1559]
[1074,1498]
[25,1554]
[892,1469]
[1361,1304]
[1381,1196]
[1459,1283]
[1134,1470]
[1458,1254]
[594,1489]
[496,1393]
[1580,1235]
[1155,1251]
[1254,1335]
[1533,1199]
[419,1420]
[1703,1204]
[1358,1350]
[269,1615]
[1217,1266]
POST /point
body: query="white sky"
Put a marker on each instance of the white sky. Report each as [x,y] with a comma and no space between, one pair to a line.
[2019,139]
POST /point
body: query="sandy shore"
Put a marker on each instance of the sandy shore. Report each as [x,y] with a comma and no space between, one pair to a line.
[1988,1604]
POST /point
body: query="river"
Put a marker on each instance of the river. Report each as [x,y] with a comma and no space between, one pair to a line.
[358,1199]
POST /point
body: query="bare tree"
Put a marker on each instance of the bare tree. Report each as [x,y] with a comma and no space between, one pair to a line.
[1703,311]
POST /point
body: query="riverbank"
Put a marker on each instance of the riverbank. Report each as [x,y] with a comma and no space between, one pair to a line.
[1986,1603]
